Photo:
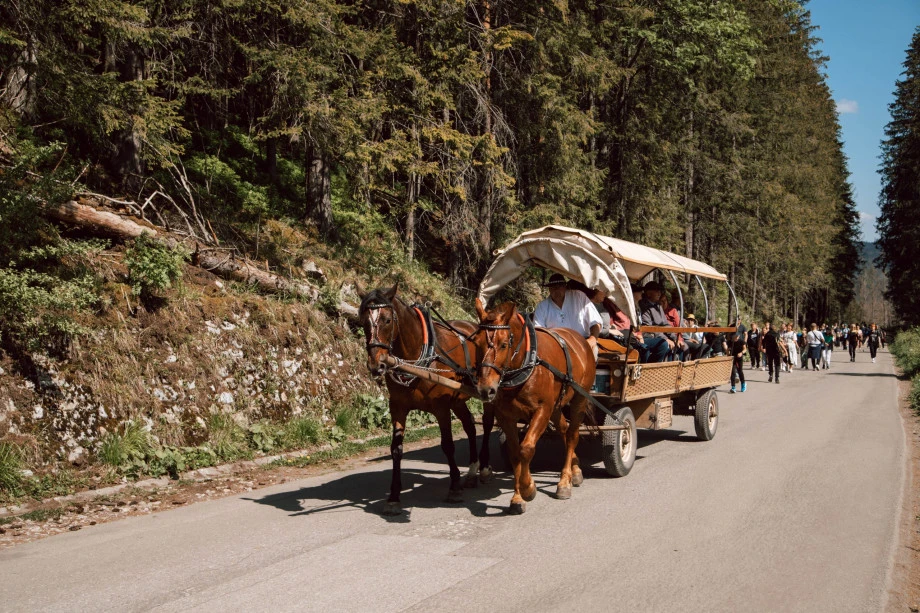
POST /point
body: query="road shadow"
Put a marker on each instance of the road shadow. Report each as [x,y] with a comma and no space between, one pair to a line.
[862,374]
[424,487]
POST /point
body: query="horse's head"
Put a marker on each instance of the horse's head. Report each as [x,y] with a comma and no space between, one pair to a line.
[377,315]
[494,347]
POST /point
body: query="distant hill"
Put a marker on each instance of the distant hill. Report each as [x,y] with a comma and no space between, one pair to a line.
[868,252]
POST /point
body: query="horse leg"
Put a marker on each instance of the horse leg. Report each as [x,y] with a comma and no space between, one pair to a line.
[466,420]
[455,494]
[538,423]
[577,477]
[509,427]
[562,427]
[398,417]
[567,478]
[488,421]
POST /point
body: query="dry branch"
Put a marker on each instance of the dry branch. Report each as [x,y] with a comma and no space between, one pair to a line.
[105,223]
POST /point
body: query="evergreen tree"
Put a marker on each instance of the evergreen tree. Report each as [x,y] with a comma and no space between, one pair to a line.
[899,224]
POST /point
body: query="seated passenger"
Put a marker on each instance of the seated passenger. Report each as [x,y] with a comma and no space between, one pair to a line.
[693,340]
[571,309]
[660,345]
[614,322]
[718,346]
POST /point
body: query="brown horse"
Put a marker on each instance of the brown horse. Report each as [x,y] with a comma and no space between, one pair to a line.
[539,399]
[392,328]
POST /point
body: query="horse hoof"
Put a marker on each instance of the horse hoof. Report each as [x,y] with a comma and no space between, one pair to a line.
[563,493]
[517,508]
[392,508]
[485,475]
[471,481]
[577,478]
[455,496]
[530,493]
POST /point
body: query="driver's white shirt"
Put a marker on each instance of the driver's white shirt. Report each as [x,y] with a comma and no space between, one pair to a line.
[577,313]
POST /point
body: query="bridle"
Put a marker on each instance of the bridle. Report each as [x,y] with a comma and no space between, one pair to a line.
[490,330]
[373,339]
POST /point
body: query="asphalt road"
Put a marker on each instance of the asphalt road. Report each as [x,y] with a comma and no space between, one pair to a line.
[792,507]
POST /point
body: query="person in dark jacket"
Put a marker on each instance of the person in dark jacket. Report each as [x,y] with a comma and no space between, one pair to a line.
[853,341]
[773,350]
[660,346]
[738,344]
[753,344]
[873,339]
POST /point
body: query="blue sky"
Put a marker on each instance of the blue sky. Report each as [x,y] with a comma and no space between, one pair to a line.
[866,41]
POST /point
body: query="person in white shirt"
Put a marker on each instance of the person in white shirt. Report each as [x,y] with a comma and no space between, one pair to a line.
[571,309]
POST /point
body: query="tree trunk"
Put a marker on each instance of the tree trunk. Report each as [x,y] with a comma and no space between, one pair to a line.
[319,192]
[410,218]
[128,163]
[19,87]
[271,159]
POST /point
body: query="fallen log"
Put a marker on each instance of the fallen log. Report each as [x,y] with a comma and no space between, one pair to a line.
[112,225]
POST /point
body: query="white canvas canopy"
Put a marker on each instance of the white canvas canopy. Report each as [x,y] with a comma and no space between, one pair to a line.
[600,262]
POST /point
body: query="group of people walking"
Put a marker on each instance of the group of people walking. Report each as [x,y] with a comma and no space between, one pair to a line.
[783,348]
[776,349]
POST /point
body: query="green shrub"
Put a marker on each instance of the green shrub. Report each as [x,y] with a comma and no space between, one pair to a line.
[10,468]
[906,349]
[127,451]
[264,436]
[37,309]
[373,411]
[226,438]
[152,266]
[914,397]
[418,419]
[346,419]
[302,431]
[32,176]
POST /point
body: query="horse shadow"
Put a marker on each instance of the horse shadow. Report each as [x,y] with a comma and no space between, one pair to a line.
[425,486]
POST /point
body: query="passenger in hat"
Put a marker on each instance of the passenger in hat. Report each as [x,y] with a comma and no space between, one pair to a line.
[660,346]
[693,340]
[565,308]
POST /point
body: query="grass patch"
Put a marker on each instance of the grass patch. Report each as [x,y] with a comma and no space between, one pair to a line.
[10,467]
[121,449]
[226,438]
[60,483]
[303,432]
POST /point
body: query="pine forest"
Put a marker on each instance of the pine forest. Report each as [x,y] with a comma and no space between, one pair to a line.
[440,129]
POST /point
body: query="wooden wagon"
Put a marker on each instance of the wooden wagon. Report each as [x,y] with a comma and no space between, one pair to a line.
[640,395]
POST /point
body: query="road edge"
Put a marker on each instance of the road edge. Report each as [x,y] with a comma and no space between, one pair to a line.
[903,573]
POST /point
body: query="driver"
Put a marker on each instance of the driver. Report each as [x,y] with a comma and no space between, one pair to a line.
[565,308]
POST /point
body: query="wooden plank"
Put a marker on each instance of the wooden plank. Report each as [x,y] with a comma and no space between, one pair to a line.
[432,377]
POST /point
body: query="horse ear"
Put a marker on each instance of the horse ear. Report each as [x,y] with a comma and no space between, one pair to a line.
[480,311]
[359,288]
[391,293]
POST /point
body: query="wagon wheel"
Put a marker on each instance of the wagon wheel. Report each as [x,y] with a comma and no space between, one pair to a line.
[706,418]
[619,446]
